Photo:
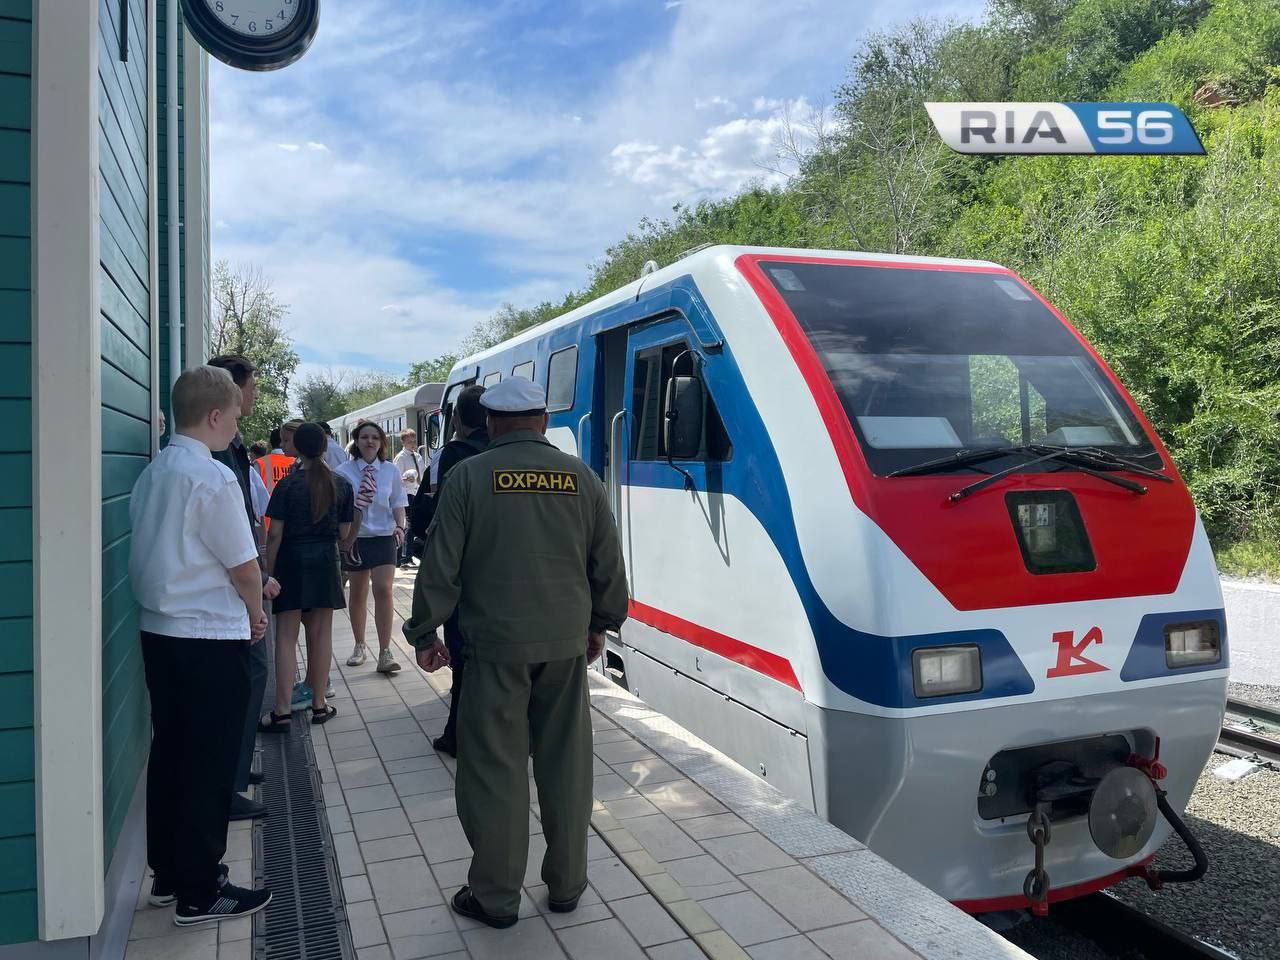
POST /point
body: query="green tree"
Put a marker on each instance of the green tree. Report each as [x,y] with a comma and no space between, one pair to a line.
[248,319]
[367,388]
[321,396]
[431,371]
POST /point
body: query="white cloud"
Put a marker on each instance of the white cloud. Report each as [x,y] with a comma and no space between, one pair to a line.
[352,178]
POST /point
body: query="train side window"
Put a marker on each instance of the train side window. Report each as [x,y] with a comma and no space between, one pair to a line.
[652,372]
[492,378]
[562,379]
[523,370]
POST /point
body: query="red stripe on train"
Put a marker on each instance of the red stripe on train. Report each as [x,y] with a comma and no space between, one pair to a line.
[1056,894]
[761,661]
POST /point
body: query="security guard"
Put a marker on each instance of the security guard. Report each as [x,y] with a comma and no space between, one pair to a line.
[524,545]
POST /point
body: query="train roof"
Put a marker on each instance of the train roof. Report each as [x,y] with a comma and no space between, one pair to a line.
[425,395]
[703,265]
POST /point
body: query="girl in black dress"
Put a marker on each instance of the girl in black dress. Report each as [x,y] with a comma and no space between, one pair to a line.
[311,508]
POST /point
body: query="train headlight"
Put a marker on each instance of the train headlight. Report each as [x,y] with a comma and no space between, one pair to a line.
[945,671]
[1188,644]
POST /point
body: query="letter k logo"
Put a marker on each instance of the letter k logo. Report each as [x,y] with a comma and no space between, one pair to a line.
[1071,658]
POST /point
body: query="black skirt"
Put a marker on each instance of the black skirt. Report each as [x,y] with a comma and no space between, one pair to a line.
[373,552]
[308,574]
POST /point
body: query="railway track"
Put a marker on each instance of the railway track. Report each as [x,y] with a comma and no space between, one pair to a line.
[1126,932]
[1251,731]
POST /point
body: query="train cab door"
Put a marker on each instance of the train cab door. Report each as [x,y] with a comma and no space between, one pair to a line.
[645,482]
[608,426]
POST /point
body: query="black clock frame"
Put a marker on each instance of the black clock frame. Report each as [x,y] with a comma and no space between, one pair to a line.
[270,53]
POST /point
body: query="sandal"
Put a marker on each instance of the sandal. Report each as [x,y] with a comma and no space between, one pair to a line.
[323,714]
[280,723]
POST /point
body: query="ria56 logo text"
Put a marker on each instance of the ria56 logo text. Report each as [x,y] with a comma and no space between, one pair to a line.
[1117,128]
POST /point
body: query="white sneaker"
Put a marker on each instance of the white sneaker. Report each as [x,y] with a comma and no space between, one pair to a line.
[387,662]
[358,656]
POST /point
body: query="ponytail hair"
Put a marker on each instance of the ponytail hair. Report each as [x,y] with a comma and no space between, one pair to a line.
[310,441]
[321,487]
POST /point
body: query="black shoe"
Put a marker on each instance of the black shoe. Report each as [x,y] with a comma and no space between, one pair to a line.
[445,745]
[566,906]
[256,777]
[162,894]
[465,903]
[228,903]
[242,808]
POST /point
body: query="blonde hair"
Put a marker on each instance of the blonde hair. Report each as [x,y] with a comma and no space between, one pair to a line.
[200,391]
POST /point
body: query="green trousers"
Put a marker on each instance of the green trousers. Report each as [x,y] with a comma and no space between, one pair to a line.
[511,710]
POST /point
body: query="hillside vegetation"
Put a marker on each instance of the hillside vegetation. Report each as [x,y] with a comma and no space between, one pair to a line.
[1169,265]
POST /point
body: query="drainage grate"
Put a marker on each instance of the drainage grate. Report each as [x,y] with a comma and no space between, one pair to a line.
[294,857]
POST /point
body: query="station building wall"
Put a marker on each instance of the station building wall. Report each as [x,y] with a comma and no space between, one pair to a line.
[82,215]
[17,771]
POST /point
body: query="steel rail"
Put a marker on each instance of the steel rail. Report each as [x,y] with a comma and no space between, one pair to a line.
[1120,929]
[1239,740]
[1259,712]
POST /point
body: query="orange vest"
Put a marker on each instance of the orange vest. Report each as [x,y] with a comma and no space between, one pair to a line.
[279,464]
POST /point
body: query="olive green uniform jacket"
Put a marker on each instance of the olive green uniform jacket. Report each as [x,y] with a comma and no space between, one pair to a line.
[524,544]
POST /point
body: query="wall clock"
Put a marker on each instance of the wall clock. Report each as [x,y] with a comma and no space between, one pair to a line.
[253,34]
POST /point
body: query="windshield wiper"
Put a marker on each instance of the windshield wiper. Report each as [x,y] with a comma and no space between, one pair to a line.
[1096,454]
[960,459]
[1055,453]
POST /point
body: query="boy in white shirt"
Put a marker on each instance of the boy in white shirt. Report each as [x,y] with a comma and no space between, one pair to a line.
[194,571]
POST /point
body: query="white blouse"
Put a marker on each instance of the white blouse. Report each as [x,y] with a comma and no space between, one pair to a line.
[378,521]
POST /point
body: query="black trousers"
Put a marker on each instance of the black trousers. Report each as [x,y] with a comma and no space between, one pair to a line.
[406,545]
[199,691]
[453,640]
[260,655]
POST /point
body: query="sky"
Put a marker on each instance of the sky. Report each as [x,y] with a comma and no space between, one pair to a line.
[426,161]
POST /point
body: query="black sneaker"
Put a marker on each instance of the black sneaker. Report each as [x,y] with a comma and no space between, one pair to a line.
[228,903]
[162,894]
[445,745]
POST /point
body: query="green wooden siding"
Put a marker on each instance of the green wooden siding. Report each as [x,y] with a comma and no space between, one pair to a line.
[17,741]
[125,330]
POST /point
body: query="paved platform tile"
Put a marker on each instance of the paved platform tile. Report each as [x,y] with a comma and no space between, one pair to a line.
[404,884]
[804,900]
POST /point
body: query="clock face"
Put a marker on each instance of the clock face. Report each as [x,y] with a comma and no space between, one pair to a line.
[253,34]
[254,18]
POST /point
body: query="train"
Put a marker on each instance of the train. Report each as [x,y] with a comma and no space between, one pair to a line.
[901,544]
[412,408]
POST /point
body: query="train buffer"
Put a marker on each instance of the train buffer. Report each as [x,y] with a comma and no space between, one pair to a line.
[690,855]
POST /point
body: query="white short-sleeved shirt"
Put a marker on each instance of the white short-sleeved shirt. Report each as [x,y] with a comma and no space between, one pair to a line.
[405,461]
[334,455]
[378,520]
[258,493]
[189,530]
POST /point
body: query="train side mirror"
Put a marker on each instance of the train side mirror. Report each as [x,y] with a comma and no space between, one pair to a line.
[683,418]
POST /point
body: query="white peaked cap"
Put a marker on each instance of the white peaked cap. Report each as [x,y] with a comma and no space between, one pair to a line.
[515,395]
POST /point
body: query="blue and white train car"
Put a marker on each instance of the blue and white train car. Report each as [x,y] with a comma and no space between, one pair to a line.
[900,543]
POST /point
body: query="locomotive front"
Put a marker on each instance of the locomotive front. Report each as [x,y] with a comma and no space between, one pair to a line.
[1027,669]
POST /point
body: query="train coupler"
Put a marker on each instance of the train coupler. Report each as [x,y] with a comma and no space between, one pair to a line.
[1036,886]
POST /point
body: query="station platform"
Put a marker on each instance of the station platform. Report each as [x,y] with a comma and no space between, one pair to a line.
[691,856]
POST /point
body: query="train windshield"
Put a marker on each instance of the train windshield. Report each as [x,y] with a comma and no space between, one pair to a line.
[928,363]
